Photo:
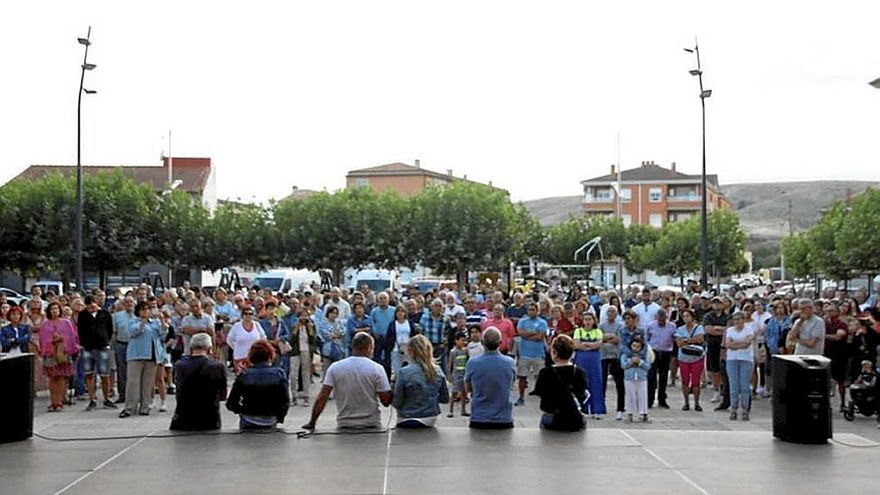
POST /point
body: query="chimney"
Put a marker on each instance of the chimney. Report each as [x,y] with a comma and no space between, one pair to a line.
[673,166]
[295,189]
[449,172]
[418,163]
[464,177]
[613,169]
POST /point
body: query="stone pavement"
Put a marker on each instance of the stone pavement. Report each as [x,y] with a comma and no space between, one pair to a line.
[682,452]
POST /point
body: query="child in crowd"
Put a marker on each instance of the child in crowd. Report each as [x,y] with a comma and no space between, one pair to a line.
[634,361]
[475,346]
[867,378]
[458,358]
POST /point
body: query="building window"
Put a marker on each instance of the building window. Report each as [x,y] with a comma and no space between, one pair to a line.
[655,194]
[626,195]
[362,182]
[627,220]
[656,220]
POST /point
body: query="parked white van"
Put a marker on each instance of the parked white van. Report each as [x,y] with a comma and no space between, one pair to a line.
[377,280]
[286,279]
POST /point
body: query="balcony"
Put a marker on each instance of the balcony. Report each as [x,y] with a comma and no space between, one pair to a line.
[684,198]
[598,199]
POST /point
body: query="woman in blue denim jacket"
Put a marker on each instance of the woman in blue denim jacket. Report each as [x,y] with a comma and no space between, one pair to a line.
[420,388]
[635,364]
[16,336]
[144,355]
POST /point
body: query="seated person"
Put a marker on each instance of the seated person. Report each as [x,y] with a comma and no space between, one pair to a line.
[259,395]
[420,388]
[489,378]
[200,382]
[867,378]
[562,388]
[359,384]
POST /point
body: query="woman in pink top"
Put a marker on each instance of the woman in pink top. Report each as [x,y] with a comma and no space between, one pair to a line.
[58,339]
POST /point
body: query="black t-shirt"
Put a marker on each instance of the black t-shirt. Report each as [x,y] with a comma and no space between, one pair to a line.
[201,385]
[714,320]
[555,386]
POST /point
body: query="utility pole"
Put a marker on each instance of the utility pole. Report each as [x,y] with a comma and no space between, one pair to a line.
[78,222]
[704,243]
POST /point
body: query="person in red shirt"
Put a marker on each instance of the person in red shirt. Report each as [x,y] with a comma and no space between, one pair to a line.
[504,325]
[836,331]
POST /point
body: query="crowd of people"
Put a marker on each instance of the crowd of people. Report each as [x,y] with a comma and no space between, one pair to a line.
[468,348]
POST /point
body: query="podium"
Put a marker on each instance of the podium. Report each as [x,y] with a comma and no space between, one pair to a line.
[17,406]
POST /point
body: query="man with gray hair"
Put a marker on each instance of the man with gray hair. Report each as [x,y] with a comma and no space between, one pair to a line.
[808,331]
[201,385]
[358,382]
[489,378]
[435,326]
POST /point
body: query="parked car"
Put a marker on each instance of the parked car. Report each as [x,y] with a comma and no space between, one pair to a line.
[13,296]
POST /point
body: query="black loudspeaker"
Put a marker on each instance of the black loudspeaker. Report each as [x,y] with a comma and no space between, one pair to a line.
[801,402]
[17,406]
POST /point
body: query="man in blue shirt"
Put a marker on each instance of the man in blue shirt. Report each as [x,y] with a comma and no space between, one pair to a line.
[488,378]
[382,316]
[532,332]
[661,334]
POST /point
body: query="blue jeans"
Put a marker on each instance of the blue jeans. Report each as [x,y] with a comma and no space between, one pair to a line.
[80,382]
[739,374]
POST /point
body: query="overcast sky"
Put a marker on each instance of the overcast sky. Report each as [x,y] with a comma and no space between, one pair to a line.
[530,95]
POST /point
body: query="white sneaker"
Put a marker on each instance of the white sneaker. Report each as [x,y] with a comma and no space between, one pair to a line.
[163,407]
[619,416]
[759,391]
[715,396]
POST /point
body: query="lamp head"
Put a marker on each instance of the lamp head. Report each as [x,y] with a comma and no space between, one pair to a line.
[89,66]
[695,72]
[84,41]
[89,91]
[706,93]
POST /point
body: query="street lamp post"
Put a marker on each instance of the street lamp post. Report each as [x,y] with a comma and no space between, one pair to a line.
[78,263]
[704,244]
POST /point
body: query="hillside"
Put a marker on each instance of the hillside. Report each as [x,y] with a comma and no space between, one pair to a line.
[762,208]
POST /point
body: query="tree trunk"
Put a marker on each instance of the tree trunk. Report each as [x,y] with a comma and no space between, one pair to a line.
[102,278]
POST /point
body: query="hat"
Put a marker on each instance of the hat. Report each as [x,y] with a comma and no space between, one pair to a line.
[716,299]
[704,295]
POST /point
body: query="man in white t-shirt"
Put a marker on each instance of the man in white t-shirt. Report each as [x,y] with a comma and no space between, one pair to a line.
[360,384]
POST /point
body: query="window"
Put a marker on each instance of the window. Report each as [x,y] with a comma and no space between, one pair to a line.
[626,195]
[362,182]
[656,220]
[627,220]
[655,194]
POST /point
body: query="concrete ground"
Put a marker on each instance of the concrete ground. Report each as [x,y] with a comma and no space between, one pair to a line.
[680,452]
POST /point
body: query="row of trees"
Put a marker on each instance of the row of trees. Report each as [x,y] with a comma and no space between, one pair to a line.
[673,250]
[844,244]
[451,229]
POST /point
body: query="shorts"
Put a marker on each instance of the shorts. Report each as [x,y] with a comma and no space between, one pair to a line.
[838,369]
[528,367]
[96,361]
[457,383]
[713,354]
[691,373]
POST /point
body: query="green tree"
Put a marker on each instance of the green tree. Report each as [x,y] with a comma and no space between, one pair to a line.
[350,228]
[565,238]
[822,240]
[241,234]
[726,242]
[858,239]
[179,229]
[637,236]
[677,252]
[464,226]
[798,255]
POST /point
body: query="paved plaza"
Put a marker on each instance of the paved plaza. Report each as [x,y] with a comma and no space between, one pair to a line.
[680,452]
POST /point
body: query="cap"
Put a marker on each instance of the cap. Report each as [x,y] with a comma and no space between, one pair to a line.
[716,299]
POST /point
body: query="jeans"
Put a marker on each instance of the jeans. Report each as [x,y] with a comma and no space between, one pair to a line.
[636,396]
[739,374]
[120,349]
[382,354]
[661,367]
[612,366]
[80,382]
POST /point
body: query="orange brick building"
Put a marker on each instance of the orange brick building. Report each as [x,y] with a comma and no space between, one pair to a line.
[651,195]
[401,178]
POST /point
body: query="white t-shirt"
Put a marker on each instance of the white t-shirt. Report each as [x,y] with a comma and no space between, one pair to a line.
[403,332]
[356,381]
[240,340]
[734,335]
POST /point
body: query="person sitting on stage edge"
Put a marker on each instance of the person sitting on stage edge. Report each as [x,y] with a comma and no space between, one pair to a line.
[200,382]
[259,395]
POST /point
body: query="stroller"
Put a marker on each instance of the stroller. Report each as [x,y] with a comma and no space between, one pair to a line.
[863,395]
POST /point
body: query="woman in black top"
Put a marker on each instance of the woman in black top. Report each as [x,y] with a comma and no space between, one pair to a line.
[562,388]
[259,395]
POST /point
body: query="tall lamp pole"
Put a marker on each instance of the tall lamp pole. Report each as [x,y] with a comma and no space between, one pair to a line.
[704,245]
[78,263]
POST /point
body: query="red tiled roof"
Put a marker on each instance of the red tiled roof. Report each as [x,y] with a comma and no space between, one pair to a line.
[192,172]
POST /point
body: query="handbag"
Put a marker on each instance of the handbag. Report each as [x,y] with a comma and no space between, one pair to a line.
[575,402]
[58,352]
[692,349]
[284,346]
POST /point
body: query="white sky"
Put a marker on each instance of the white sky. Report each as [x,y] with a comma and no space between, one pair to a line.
[530,95]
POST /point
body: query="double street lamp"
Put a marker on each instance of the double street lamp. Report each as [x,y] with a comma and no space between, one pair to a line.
[78,243]
[704,245]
